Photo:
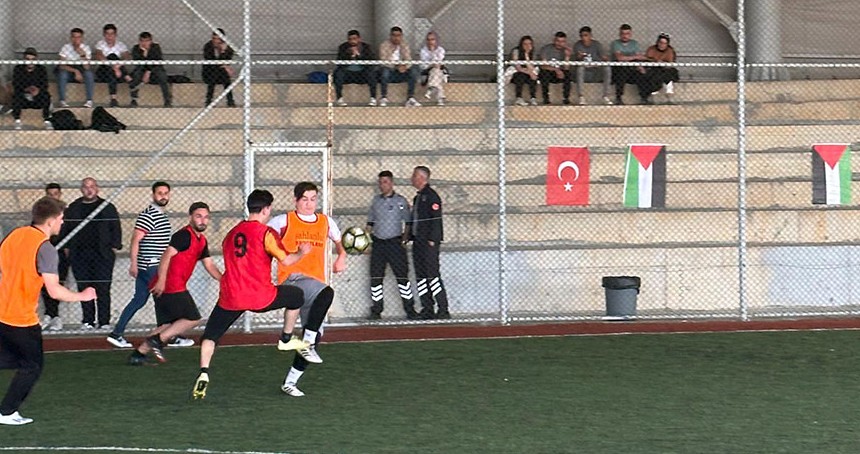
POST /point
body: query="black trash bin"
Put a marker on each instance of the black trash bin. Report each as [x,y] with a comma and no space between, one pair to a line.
[621,292]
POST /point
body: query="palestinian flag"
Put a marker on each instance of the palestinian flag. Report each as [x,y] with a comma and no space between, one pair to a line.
[831,174]
[645,177]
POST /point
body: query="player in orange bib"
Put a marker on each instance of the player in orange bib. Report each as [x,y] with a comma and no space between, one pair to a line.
[246,284]
[305,225]
[27,262]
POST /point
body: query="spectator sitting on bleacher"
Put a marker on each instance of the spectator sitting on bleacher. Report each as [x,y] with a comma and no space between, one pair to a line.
[217,49]
[625,49]
[111,49]
[354,50]
[657,77]
[434,68]
[76,51]
[588,49]
[554,73]
[525,74]
[395,50]
[30,89]
[145,49]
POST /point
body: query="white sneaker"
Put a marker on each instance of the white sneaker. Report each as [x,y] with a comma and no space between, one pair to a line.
[46,321]
[118,341]
[383,102]
[521,102]
[15,419]
[64,104]
[18,125]
[88,104]
[440,102]
[533,102]
[56,324]
[107,328]
[581,101]
[341,102]
[291,390]
[180,341]
[88,327]
[429,94]
[412,102]
[607,100]
[48,125]
[310,355]
[372,102]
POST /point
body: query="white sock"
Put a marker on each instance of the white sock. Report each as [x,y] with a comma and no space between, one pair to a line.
[293,376]
[310,336]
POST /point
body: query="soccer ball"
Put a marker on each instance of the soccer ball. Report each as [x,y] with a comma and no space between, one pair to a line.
[355,240]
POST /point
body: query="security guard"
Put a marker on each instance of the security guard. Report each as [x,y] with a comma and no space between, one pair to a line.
[389,211]
[426,231]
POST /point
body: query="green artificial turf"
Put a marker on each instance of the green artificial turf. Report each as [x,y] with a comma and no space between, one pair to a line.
[787,392]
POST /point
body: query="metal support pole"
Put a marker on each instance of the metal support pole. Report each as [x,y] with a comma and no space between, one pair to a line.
[764,39]
[500,103]
[742,166]
[246,123]
[391,13]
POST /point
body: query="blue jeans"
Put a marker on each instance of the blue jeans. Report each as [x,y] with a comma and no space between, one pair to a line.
[141,296]
[63,77]
[393,76]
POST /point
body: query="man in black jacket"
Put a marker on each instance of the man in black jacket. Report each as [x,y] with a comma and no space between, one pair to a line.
[92,251]
[145,49]
[30,89]
[426,228]
[217,49]
[355,50]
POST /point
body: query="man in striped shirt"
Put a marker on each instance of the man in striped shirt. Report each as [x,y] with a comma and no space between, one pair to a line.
[150,238]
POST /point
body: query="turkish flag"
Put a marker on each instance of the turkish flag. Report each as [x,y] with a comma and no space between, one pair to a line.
[567,176]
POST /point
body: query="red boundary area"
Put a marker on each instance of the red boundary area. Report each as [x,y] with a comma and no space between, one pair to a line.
[389,333]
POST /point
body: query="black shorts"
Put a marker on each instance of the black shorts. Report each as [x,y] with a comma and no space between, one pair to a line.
[170,307]
[288,296]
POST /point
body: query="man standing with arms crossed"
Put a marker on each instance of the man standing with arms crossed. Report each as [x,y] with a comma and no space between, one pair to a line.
[246,285]
[389,211]
[309,274]
[27,262]
[175,309]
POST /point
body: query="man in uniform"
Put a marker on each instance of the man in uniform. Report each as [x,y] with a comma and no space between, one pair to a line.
[246,284]
[389,211]
[175,309]
[28,261]
[426,237]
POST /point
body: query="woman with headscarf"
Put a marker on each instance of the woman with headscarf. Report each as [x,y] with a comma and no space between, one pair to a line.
[656,77]
[432,56]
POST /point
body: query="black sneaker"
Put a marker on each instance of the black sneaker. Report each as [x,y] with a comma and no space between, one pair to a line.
[231,103]
[114,103]
[138,359]
[426,314]
[168,104]
[566,101]
[619,101]
[133,103]
[412,315]
[155,344]
[443,315]
[546,101]
[374,316]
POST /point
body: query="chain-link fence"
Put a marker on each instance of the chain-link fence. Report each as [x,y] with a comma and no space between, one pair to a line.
[708,182]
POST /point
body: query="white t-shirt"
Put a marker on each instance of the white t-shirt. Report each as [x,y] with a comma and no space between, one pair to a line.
[117,49]
[435,56]
[69,53]
[395,56]
[279,222]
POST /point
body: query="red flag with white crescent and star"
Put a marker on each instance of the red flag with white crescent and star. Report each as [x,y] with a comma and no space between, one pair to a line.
[567,176]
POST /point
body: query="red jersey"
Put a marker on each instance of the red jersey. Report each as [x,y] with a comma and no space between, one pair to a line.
[191,248]
[247,280]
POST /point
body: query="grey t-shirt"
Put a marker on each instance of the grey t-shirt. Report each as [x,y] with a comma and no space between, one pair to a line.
[387,216]
[549,53]
[594,52]
[47,259]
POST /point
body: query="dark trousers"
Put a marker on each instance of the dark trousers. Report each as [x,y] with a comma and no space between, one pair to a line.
[431,290]
[20,349]
[159,76]
[42,101]
[389,252]
[654,78]
[622,75]
[519,79]
[93,270]
[106,74]
[344,76]
[549,77]
[393,76]
[213,76]
[52,306]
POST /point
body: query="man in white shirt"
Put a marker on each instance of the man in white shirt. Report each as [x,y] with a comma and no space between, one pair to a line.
[77,54]
[110,48]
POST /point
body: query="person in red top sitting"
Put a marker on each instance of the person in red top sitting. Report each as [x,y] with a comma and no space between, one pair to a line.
[246,284]
[175,309]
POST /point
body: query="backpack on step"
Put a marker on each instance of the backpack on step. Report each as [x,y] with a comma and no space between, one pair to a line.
[103,121]
[66,120]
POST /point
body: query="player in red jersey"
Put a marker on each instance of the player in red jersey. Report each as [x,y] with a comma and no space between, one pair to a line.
[247,282]
[175,309]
